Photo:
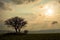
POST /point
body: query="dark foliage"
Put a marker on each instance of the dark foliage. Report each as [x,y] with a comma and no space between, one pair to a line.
[26,31]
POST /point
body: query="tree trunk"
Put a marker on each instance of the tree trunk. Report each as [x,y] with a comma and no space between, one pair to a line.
[16,30]
[19,29]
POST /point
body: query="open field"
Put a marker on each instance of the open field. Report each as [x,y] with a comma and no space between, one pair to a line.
[14,36]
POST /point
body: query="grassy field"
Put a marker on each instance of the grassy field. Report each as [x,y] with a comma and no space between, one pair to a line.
[14,36]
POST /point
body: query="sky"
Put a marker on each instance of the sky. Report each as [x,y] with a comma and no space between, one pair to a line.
[38,13]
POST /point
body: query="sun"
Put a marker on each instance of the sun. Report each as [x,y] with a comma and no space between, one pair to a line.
[48,10]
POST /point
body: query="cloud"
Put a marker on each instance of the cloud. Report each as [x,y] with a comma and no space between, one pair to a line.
[18,1]
[4,5]
[59,1]
[22,1]
[1,4]
[7,4]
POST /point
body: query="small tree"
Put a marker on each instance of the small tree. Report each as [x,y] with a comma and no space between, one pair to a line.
[16,22]
[25,31]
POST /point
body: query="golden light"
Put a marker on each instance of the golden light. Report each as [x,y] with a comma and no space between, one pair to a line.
[48,10]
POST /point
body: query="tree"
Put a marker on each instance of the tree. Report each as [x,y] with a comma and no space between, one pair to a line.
[16,22]
[25,31]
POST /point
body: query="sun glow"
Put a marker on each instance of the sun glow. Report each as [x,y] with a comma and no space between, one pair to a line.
[48,11]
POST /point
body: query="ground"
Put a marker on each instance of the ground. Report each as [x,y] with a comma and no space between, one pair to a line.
[18,36]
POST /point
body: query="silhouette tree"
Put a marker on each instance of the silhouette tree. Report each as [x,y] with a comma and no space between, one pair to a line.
[25,31]
[16,22]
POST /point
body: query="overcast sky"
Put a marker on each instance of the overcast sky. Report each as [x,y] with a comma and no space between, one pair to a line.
[37,13]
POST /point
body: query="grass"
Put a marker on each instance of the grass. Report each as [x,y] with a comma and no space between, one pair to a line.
[19,36]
